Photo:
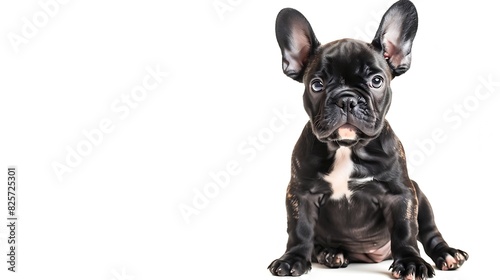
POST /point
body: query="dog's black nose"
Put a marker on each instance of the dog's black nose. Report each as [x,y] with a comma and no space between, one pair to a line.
[347,103]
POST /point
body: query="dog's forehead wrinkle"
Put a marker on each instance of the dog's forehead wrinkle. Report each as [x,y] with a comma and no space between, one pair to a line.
[348,61]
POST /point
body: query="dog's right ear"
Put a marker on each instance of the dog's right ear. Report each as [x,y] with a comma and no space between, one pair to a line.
[296,40]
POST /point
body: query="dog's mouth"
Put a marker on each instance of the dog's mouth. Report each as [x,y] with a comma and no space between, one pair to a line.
[347,132]
[346,135]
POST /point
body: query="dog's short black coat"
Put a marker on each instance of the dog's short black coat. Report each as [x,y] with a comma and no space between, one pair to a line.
[350,198]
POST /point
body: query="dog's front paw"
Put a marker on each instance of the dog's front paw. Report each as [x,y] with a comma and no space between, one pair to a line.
[331,257]
[290,266]
[450,258]
[411,268]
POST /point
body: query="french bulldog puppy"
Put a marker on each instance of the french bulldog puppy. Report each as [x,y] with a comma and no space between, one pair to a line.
[350,198]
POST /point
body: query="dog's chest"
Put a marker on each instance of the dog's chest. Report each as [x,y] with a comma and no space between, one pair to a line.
[341,172]
[341,175]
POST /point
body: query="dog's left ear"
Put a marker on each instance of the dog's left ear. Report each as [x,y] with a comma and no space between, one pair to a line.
[394,37]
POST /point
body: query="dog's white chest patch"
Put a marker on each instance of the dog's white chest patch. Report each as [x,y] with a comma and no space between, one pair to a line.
[339,177]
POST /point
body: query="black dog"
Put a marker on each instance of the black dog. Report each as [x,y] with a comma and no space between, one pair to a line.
[350,198]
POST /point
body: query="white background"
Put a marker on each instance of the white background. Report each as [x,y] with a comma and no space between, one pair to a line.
[117,215]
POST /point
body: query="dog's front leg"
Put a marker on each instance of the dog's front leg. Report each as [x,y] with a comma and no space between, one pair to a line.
[401,214]
[302,212]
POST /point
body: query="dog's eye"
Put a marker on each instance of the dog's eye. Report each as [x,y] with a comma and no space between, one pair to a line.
[317,85]
[377,81]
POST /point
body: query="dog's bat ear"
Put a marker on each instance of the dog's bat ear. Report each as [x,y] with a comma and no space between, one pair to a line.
[394,37]
[296,40]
